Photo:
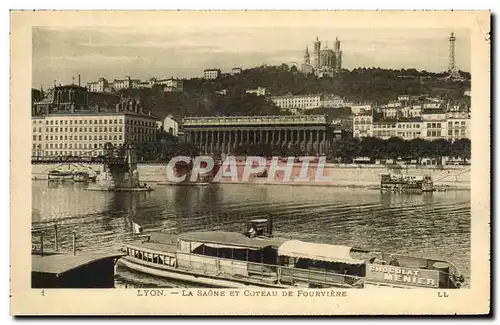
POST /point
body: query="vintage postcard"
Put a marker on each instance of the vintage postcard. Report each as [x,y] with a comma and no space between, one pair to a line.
[250,162]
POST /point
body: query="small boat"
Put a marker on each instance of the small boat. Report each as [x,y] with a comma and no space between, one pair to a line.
[60,175]
[255,257]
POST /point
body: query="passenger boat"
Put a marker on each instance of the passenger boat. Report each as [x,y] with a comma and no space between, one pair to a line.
[406,183]
[256,258]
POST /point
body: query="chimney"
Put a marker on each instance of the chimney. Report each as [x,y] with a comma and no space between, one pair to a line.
[79,80]
[270,225]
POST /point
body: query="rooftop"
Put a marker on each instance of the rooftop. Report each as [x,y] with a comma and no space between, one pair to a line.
[255,120]
[61,263]
[230,239]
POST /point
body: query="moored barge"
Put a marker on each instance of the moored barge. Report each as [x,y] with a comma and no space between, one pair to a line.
[256,258]
[406,183]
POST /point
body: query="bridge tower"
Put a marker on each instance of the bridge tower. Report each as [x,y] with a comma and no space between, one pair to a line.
[119,169]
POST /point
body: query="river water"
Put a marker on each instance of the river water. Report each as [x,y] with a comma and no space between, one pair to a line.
[433,225]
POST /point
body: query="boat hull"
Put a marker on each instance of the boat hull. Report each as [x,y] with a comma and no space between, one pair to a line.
[185,277]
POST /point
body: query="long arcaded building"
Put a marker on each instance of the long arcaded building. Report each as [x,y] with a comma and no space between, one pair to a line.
[223,134]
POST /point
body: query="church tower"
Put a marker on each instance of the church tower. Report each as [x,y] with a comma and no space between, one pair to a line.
[338,56]
[317,49]
[307,59]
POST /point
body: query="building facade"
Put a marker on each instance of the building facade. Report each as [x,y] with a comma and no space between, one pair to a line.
[326,62]
[85,134]
[301,102]
[170,84]
[360,109]
[226,133]
[385,129]
[235,71]
[211,73]
[362,126]
[170,125]
[410,129]
[99,86]
[260,91]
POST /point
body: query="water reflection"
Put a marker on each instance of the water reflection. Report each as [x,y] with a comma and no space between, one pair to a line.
[433,224]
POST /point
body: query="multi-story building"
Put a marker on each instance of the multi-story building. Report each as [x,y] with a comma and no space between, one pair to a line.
[38,136]
[362,126]
[393,104]
[333,101]
[236,71]
[70,121]
[431,105]
[260,91]
[299,102]
[171,84]
[211,73]
[409,129]
[361,109]
[390,112]
[385,129]
[85,134]
[411,111]
[458,125]
[122,83]
[99,86]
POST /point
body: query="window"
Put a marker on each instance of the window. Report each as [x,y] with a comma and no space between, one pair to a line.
[80,137]
[100,121]
[450,132]
[463,123]
[105,121]
[84,129]
[105,129]
[84,137]
[121,121]
[71,137]
[65,137]
[95,137]
[57,122]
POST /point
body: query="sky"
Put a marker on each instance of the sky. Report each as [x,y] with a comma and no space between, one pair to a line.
[184,52]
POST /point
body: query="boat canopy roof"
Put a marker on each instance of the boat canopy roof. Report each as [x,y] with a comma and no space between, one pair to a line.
[318,252]
[227,239]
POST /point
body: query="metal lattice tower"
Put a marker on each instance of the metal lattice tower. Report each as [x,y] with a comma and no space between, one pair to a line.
[452,68]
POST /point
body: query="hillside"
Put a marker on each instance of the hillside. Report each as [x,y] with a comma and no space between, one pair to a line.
[359,85]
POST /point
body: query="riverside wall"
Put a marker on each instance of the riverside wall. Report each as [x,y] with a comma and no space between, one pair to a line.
[457,177]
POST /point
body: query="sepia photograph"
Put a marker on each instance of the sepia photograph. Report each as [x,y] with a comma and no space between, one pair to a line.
[307,161]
